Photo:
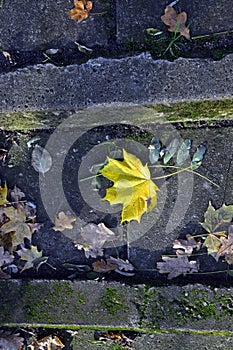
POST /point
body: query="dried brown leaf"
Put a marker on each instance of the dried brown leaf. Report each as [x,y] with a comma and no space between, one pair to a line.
[226,248]
[64,221]
[177,266]
[186,246]
[5,257]
[104,267]
[9,341]
[94,237]
[81,10]
[30,256]
[176,21]
[48,343]
[121,264]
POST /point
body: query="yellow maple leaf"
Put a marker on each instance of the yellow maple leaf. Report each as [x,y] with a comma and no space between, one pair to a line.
[3,194]
[132,187]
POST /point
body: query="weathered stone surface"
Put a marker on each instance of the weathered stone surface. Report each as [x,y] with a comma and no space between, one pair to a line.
[134,17]
[69,303]
[159,341]
[30,25]
[137,79]
[183,199]
[113,305]
[184,341]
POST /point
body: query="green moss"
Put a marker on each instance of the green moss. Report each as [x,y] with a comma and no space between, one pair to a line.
[195,111]
[113,301]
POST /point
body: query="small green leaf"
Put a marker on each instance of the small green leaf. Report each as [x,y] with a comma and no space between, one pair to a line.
[183,152]
[153,31]
[74,267]
[154,150]
[171,150]
[198,156]
[230,273]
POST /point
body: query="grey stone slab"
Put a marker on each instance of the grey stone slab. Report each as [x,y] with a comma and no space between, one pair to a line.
[184,198]
[185,341]
[133,17]
[30,25]
[64,303]
[103,305]
[137,80]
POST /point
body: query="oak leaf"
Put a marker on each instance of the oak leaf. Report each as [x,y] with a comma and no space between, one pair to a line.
[186,246]
[81,10]
[176,21]
[177,266]
[121,264]
[133,186]
[64,221]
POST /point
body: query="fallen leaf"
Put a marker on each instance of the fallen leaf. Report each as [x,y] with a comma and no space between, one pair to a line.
[16,194]
[48,343]
[30,256]
[121,264]
[186,246]
[3,194]
[198,156]
[177,266]
[226,248]
[154,150]
[176,22]
[64,221]
[4,276]
[81,10]
[16,224]
[214,218]
[183,152]
[212,243]
[9,341]
[132,187]
[94,237]
[170,150]
[5,257]
[41,159]
[103,266]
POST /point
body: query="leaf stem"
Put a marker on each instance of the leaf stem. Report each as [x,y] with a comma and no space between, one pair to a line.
[89,177]
[174,173]
[182,169]
[209,35]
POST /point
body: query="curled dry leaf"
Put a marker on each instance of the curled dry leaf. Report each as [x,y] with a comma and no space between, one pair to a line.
[186,246]
[104,267]
[176,21]
[226,248]
[48,343]
[81,10]
[16,194]
[5,257]
[177,266]
[41,160]
[64,221]
[94,237]
[121,264]
[9,341]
